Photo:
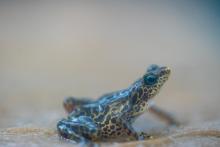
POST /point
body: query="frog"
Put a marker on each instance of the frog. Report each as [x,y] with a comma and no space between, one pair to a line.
[111,116]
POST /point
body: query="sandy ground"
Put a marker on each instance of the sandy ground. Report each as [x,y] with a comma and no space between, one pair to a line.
[52,49]
[205,135]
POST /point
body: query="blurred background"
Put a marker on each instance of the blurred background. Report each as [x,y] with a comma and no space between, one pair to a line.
[52,49]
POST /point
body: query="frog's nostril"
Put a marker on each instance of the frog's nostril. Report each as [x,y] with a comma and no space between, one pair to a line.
[166,70]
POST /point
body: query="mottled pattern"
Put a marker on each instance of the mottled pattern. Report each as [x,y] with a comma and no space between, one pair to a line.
[111,116]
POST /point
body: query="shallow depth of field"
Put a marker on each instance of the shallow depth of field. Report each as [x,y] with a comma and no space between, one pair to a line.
[53,49]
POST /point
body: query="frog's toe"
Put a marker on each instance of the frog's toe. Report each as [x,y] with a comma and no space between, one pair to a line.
[143,136]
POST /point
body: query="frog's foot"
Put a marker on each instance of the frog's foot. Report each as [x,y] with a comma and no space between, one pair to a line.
[143,136]
[80,129]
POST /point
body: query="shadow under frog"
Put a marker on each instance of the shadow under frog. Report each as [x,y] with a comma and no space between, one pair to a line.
[110,117]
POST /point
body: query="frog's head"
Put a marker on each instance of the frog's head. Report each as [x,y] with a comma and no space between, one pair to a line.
[154,79]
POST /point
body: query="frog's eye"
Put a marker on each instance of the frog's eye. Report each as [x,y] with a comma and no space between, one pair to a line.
[150,79]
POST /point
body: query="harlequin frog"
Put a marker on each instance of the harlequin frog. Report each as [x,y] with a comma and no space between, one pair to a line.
[111,116]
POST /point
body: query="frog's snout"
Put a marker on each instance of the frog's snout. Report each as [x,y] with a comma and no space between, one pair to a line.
[165,70]
[159,70]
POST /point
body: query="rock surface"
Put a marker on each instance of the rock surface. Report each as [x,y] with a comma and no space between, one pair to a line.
[206,134]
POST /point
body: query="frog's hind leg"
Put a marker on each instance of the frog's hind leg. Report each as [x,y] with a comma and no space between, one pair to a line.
[163,115]
[70,103]
[67,131]
[80,129]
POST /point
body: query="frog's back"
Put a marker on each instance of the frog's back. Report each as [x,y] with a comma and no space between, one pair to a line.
[113,97]
[103,105]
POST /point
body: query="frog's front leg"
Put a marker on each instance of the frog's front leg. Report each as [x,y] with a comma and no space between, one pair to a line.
[81,129]
[118,130]
[133,135]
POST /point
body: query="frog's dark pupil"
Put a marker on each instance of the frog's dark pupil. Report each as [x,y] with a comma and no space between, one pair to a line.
[150,79]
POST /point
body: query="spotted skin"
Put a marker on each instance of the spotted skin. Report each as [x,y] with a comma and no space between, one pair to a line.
[111,116]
